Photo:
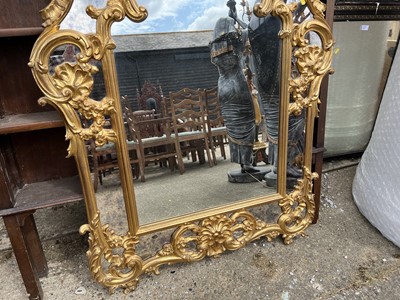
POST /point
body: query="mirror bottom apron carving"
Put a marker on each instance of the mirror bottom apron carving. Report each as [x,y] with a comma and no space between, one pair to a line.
[191,242]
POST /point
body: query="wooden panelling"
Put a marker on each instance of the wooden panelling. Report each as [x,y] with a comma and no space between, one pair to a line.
[28,9]
[40,155]
[18,90]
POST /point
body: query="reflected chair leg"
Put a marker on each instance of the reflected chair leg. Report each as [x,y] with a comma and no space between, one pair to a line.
[212,146]
[142,164]
[207,147]
[95,180]
[28,252]
[95,173]
[222,146]
[170,161]
[134,164]
[194,156]
[100,178]
[179,157]
[200,151]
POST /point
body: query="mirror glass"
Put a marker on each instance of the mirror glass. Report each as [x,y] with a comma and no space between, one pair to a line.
[102,159]
[200,97]
[297,119]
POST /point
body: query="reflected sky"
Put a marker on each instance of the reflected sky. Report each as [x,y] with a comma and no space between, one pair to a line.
[164,16]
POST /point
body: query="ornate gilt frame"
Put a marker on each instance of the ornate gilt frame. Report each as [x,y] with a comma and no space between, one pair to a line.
[212,231]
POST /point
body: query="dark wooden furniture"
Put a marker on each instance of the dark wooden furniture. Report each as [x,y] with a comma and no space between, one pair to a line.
[152,139]
[319,127]
[34,172]
[216,128]
[150,97]
[189,122]
[344,10]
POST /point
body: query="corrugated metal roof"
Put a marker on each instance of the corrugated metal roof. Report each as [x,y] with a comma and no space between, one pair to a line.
[162,41]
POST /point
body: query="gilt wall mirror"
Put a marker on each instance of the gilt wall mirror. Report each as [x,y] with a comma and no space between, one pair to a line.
[140,108]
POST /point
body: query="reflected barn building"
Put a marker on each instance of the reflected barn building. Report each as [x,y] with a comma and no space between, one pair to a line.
[170,60]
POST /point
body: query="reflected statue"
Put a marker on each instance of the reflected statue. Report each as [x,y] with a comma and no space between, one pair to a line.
[236,100]
[263,34]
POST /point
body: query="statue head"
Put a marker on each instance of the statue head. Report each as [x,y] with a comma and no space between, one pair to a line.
[226,38]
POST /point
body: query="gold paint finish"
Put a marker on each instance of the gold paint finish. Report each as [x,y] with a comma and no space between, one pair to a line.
[113,260]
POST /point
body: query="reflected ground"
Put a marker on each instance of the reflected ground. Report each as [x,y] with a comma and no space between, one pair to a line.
[167,194]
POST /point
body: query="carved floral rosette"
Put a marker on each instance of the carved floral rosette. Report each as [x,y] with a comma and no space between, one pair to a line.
[113,260]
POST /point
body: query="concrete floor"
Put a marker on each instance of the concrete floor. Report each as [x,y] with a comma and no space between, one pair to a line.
[342,257]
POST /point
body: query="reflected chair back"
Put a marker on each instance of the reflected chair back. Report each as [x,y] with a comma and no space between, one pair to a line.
[189,122]
[151,137]
[217,131]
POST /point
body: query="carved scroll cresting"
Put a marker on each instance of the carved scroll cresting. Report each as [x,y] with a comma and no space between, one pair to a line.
[113,260]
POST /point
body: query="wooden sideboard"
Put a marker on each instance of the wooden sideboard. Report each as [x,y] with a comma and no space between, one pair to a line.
[34,172]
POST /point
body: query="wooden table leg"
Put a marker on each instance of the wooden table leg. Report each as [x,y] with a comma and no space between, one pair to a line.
[35,246]
[28,251]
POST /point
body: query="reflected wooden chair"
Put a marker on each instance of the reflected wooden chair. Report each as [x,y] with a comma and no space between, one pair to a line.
[150,97]
[150,135]
[102,159]
[189,122]
[216,129]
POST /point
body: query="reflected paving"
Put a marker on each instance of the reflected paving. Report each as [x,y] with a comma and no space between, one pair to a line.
[167,194]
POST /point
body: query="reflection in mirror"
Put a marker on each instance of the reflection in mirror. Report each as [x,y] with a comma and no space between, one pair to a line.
[66,53]
[297,118]
[190,119]
[266,61]
[78,20]
[238,151]
[102,158]
[226,146]
[186,56]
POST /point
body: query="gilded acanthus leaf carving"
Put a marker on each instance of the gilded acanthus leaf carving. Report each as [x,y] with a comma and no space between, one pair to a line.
[111,267]
[112,258]
[309,62]
[55,12]
[214,234]
[298,207]
[312,62]
[193,241]
[75,82]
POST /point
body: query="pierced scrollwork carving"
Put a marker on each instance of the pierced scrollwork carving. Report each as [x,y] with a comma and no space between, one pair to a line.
[298,207]
[309,62]
[75,83]
[71,84]
[194,241]
[112,258]
[312,61]
[55,12]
